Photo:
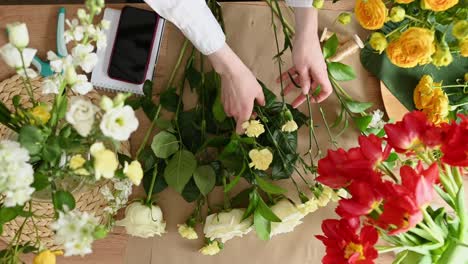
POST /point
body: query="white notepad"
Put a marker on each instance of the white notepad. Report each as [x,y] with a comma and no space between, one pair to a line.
[100,78]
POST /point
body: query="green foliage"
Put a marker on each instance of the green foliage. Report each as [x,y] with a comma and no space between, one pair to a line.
[330,47]
[262,226]
[41,181]
[63,200]
[205,178]
[160,183]
[269,187]
[180,169]
[164,145]
[33,139]
[169,99]
[341,72]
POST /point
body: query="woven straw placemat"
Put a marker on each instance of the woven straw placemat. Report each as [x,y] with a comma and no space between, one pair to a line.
[88,198]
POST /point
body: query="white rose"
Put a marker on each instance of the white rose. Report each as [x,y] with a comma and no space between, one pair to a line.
[18,34]
[227,225]
[290,217]
[143,221]
[84,56]
[12,56]
[82,86]
[119,123]
[81,115]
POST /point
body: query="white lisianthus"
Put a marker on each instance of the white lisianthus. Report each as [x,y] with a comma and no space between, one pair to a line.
[211,248]
[227,225]
[143,221]
[261,159]
[16,175]
[75,231]
[58,64]
[84,56]
[118,123]
[81,115]
[289,126]
[12,56]
[253,128]
[105,161]
[134,172]
[187,232]
[290,217]
[308,207]
[82,86]
[18,34]
[50,86]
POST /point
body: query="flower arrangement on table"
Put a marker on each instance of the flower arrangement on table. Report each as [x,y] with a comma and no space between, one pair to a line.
[58,148]
[398,207]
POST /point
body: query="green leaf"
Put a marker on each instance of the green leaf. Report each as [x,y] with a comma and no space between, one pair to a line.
[191,192]
[148,88]
[169,99]
[41,181]
[160,183]
[402,81]
[16,100]
[266,211]
[262,226]
[193,76]
[330,47]
[149,107]
[392,157]
[253,202]
[205,179]
[62,108]
[180,169]
[32,138]
[270,97]
[164,144]
[62,200]
[218,110]
[242,198]
[357,107]
[9,213]
[234,182]
[51,151]
[341,72]
[134,102]
[269,187]
[362,122]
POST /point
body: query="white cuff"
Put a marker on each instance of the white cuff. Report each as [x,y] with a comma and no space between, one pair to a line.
[299,3]
[195,20]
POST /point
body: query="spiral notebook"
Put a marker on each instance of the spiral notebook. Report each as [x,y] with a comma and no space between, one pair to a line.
[100,78]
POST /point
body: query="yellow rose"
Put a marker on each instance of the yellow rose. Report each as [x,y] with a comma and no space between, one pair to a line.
[397,14]
[438,5]
[261,159]
[424,92]
[211,249]
[41,113]
[442,57]
[253,128]
[404,1]
[47,257]
[371,14]
[134,172]
[105,161]
[415,46]
[438,111]
[464,47]
[289,126]
[378,42]
[344,18]
[460,29]
[76,162]
[187,232]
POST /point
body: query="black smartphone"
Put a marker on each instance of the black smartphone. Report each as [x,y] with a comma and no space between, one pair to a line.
[132,45]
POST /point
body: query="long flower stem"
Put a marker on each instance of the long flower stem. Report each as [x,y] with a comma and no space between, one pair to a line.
[179,61]
[312,133]
[27,80]
[149,131]
[275,10]
[153,181]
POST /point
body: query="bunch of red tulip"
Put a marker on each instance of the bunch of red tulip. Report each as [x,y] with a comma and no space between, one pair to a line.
[392,182]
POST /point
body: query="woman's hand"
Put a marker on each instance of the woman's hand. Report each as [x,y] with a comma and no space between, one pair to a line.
[239,86]
[309,70]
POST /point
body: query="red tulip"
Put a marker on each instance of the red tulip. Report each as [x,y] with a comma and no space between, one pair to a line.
[344,244]
[365,198]
[371,148]
[420,182]
[455,148]
[400,213]
[407,134]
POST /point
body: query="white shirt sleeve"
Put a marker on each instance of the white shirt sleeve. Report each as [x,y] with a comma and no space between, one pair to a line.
[195,20]
[299,3]
[197,23]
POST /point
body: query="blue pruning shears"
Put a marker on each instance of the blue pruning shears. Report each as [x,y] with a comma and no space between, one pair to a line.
[44,67]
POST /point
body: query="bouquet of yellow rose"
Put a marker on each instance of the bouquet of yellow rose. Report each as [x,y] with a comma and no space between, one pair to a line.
[416,32]
[57,148]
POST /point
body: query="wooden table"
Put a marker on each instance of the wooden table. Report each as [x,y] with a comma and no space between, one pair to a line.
[41,22]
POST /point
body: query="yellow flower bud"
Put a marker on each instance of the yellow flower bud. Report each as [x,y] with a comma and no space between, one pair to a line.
[187,232]
[76,162]
[424,91]
[253,128]
[344,18]
[261,159]
[378,42]
[47,257]
[318,4]
[442,57]
[41,114]
[463,47]
[134,172]
[105,161]
[397,14]
[211,249]
[460,29]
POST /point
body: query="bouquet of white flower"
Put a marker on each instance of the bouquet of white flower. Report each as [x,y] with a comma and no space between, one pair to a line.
[59,146]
